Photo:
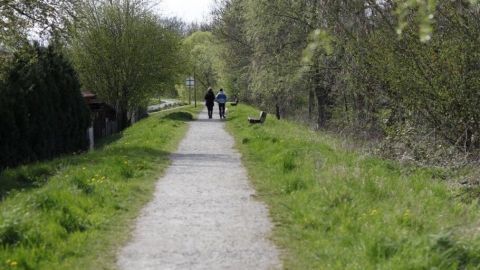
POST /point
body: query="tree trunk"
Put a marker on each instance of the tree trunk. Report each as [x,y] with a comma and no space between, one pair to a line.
[321,92]
[122,116]
[311,103]
[322,108]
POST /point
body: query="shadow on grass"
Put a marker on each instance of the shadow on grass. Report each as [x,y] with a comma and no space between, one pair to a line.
[108,140]
[36,175]
[179,116]
[24,177]
[213,120]
[200,160]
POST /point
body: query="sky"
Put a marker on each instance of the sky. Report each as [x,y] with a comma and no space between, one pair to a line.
[188,10]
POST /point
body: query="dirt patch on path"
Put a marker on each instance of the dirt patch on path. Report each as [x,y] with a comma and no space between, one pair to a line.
[203,214]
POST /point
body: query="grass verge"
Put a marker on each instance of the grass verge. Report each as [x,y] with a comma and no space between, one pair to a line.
[74,212]
[337,209]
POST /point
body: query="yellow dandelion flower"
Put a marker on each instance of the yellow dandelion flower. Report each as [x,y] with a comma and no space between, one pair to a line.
[13,264]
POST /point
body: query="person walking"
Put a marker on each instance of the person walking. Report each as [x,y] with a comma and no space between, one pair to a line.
[221,99]
[209,101]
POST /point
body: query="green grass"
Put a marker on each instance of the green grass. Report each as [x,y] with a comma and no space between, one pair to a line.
[334,208]
[74,212]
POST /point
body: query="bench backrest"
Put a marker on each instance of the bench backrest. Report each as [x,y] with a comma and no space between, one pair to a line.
[263,116]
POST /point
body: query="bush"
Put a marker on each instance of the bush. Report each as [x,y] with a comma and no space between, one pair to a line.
[42,111]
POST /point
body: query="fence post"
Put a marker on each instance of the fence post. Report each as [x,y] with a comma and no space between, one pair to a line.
[91,138]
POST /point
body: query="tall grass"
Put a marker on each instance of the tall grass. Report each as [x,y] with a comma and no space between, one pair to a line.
[74,212]
[338,209]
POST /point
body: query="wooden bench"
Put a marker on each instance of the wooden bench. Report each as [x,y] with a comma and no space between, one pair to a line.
[259,120]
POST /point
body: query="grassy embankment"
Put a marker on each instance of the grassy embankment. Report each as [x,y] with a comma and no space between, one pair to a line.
[338,209]
[74,212]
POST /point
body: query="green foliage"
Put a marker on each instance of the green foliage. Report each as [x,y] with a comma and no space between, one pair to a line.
[125,55]
[335,208]
[73,212]
[264,43]
[43,112]
[43,16]
[204,62]
[342,65]
[424,16]
[237,52]
[319,41]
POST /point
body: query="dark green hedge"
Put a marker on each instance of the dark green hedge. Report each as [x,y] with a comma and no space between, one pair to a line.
[42,112]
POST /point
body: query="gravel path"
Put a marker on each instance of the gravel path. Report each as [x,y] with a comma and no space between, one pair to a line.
[203,214]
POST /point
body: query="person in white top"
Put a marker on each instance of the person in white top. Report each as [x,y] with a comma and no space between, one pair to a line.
[221,99]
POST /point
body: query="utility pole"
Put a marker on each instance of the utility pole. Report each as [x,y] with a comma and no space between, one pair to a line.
[190,82]
[194,87]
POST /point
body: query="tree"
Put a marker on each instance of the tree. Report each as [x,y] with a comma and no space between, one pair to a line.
[203,57]
[43,112]
[230,29]
[18,17]
[124,54]
[346,60]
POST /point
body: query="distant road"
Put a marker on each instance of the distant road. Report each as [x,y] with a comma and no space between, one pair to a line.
[164,104]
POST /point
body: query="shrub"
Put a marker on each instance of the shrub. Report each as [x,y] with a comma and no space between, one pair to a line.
[42,111]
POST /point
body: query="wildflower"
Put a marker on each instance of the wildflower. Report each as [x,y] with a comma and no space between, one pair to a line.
[406,216]
[13,264]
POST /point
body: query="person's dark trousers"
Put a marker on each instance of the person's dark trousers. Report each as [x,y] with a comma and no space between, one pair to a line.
[221,108]
[210,111]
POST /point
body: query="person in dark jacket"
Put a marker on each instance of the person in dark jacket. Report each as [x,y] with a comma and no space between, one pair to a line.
[209,101]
